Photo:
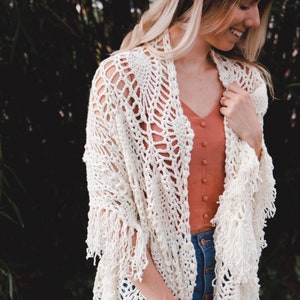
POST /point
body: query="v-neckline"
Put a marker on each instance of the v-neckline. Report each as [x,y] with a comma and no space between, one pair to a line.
[167,45]
[217,104]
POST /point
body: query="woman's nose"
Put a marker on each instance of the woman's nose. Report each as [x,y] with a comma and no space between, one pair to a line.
[253,17]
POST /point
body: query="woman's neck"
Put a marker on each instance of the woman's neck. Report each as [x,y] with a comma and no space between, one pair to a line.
[197,58]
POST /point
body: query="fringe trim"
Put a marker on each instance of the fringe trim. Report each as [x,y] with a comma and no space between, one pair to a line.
[238,242]
[121,245]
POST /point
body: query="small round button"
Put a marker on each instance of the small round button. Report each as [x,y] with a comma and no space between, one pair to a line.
[205,216]
[204,162]
[203,242]
[205,198]
[204,144]
[204,180]
[203,124]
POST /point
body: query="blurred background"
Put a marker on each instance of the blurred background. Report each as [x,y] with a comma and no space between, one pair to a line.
[49,51]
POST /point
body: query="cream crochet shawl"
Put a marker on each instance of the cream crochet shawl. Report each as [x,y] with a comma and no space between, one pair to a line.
[138,185]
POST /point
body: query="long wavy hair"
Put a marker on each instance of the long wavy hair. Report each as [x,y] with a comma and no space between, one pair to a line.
[199,16]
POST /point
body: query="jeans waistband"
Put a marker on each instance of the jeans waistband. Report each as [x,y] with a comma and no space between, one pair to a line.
[201,240]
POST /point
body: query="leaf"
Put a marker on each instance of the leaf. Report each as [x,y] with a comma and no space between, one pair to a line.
[297,84]
[17,211]
[10,285]
[7,216]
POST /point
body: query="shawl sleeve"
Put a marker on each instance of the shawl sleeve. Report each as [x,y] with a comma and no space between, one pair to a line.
[247,201]
[114,233]
[265,195]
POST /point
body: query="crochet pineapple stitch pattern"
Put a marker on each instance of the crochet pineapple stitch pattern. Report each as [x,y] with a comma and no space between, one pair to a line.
[137,155]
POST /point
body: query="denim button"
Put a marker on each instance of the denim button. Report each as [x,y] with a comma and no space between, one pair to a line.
[203,242]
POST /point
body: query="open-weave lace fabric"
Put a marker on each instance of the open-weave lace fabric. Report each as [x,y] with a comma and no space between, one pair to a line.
[137,154]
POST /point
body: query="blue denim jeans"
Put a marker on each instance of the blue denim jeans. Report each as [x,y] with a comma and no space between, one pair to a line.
[205,255]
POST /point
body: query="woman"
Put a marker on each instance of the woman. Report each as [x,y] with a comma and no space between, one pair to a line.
[179,177]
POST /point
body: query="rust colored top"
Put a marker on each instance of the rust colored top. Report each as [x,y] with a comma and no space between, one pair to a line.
[207,173]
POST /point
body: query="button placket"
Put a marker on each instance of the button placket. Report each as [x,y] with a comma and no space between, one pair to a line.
[204,163]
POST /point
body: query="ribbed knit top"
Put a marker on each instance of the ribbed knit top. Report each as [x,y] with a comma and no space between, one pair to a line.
[206,179]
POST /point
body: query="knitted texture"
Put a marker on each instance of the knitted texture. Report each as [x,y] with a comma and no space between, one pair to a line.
[137,154]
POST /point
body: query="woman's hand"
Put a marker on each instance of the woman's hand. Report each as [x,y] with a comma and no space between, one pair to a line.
[152,286]
[238,108]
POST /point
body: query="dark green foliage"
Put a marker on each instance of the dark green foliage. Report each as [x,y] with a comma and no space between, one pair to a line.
[49,51]
[280,262]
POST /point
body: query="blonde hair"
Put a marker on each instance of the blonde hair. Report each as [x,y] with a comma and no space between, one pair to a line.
[159,18]
[194,16]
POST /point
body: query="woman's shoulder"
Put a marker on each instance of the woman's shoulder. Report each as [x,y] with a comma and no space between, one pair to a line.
[135,58]
[248,77]
[230,69]
[126,66]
